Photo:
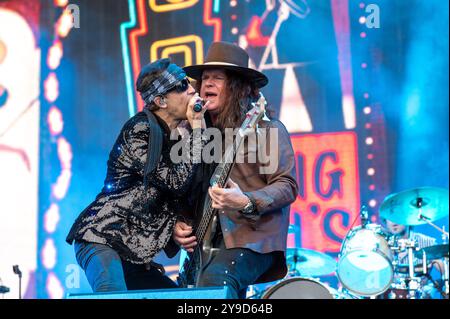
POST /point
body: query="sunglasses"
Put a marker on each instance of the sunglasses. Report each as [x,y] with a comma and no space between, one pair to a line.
[180,87]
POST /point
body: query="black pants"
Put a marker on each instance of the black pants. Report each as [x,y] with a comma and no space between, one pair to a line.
[236,268]
[138,277]
[107,272]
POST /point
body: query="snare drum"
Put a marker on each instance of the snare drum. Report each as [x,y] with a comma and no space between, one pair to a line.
[302,288]
[365,261]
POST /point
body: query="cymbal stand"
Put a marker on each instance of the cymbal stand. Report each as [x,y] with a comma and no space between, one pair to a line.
[445,237]
[427,220]
[446,290]
[413,282]
[294,272]
[445,275]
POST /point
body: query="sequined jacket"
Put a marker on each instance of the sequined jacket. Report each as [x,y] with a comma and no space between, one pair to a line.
[134,219]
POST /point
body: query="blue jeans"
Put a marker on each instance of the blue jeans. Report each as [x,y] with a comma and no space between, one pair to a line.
[102,266]
[106,271]
[236,268]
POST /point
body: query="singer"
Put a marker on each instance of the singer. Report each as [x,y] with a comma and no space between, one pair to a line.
[132,219]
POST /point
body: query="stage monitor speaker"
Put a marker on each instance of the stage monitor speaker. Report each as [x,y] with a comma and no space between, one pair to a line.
[177,293]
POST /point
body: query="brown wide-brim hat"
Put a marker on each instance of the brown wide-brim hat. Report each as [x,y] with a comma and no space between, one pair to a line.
[228,56]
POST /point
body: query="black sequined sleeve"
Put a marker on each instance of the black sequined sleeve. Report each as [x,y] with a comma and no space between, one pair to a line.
[175,172]
[169,175]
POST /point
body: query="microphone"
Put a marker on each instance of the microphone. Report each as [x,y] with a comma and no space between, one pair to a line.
[364,213]
[198,106]
[17,270]
[19,273]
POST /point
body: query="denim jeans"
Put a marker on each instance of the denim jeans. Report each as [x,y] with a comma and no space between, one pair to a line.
[236,268]
[106,271]
[102,266]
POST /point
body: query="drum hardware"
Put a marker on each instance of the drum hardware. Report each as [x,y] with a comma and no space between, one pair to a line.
[445,276]
[304,264]
[400,291]
[433,253]
[253,292]
[348,294]
[412,282]
[446,260]
[303,288]
[412,286]
[420,206]
[364,214]
[309,263]
[404,268]
[442,230]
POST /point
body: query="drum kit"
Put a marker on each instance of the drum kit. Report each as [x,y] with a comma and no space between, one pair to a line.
[305,265]
[368,266]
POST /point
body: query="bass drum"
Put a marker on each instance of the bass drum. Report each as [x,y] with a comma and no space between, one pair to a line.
[365,263]
[302,288]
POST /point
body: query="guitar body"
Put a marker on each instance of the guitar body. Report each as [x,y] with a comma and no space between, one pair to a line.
[199,258]
[207,245]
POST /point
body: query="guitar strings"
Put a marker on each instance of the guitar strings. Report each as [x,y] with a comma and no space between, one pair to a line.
[201,230]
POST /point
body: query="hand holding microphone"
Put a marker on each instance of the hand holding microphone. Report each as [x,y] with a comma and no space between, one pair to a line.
[198,106]
[196,109]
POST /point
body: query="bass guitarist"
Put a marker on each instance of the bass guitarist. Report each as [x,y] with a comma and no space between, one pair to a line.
[249,238]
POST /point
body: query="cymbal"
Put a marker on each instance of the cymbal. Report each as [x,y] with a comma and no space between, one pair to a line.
[405,207]
[433,252]
[309,262]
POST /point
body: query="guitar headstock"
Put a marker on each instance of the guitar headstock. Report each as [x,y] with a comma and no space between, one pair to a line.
[252,118]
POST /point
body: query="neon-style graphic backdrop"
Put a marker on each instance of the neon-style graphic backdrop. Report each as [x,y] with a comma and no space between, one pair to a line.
[364,120]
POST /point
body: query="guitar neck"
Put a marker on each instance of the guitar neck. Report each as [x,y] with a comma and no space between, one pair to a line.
[219,178]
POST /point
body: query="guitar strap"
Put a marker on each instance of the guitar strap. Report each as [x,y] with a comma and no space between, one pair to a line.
[154,148]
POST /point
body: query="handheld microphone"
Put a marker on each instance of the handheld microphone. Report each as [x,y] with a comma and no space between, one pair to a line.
[198,106]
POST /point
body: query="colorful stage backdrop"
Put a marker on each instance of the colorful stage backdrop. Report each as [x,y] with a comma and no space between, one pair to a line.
[361,86]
